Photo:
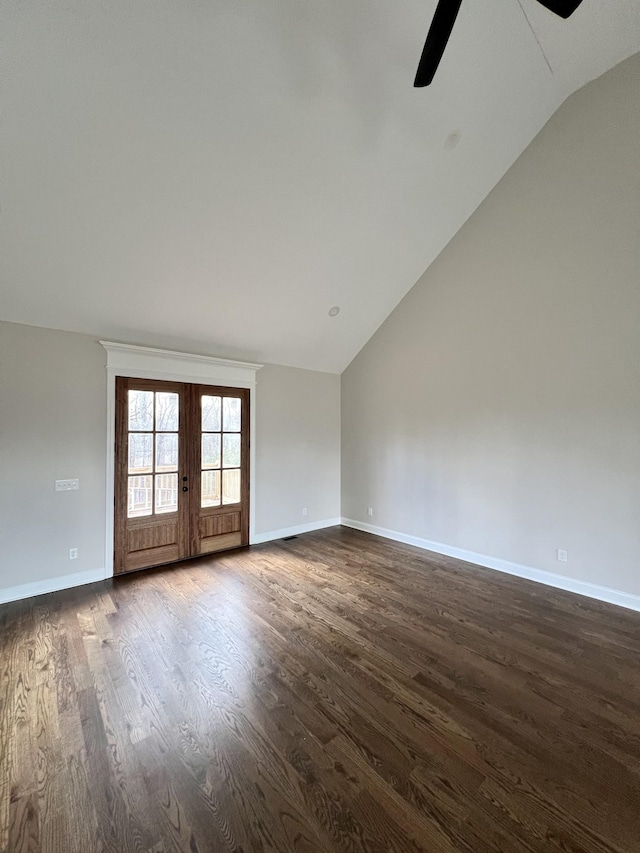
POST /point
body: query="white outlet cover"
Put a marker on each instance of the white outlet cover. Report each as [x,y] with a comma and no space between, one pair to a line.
[562,555]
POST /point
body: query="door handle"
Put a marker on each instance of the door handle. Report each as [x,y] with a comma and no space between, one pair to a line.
[185,488]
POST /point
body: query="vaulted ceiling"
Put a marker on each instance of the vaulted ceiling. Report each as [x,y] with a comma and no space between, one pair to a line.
[215,175]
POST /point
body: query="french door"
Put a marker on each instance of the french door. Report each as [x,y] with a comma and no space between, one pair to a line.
[182,471]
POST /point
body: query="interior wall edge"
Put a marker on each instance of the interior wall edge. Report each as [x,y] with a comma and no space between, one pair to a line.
[600,593]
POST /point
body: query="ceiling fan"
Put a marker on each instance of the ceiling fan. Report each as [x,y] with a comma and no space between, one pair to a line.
[442,24]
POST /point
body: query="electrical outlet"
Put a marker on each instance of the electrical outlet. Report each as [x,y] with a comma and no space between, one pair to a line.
[370,510]
[73,553]
[67,485]
[304,510]
[562,555]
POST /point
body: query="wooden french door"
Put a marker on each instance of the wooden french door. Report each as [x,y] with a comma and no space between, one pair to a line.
[182,471]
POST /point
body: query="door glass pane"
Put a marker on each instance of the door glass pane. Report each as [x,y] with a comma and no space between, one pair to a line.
[140,496]
[231,407]
[166,412]
[210,450]
[141,410]
[166,493]
[210,413]
[230,451]
[210,488]
[231,487]
[167,452]
[140,453]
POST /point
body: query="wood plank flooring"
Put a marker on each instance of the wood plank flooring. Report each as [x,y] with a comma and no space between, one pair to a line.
[334,692]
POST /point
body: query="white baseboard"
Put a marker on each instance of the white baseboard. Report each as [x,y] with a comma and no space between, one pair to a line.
[601,593]
[27,590]
[258,538]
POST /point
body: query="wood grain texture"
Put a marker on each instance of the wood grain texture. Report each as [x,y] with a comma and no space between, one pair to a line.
[212,526]
[153,540]
[150,540]
[152,536]
[334,693]
[215,525]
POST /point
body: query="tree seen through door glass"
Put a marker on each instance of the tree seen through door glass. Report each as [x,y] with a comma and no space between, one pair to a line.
[211,421]
[153,452]
[167,452]
[141,410]
[231,450]
[210,450]
[221,447]
[231,414]
[141,453]
[166,412]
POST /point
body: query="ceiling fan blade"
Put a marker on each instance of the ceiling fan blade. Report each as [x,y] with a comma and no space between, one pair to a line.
[437,38]
[564,8]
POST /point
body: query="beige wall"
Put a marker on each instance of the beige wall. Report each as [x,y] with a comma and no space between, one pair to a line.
[497,410]
[53,426]
[298,447]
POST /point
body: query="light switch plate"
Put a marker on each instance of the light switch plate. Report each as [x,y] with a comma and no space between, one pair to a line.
[67,485]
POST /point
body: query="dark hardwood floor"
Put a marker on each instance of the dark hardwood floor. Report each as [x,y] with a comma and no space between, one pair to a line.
[334,692]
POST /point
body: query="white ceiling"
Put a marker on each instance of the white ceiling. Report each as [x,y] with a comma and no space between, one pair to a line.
[215,174]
